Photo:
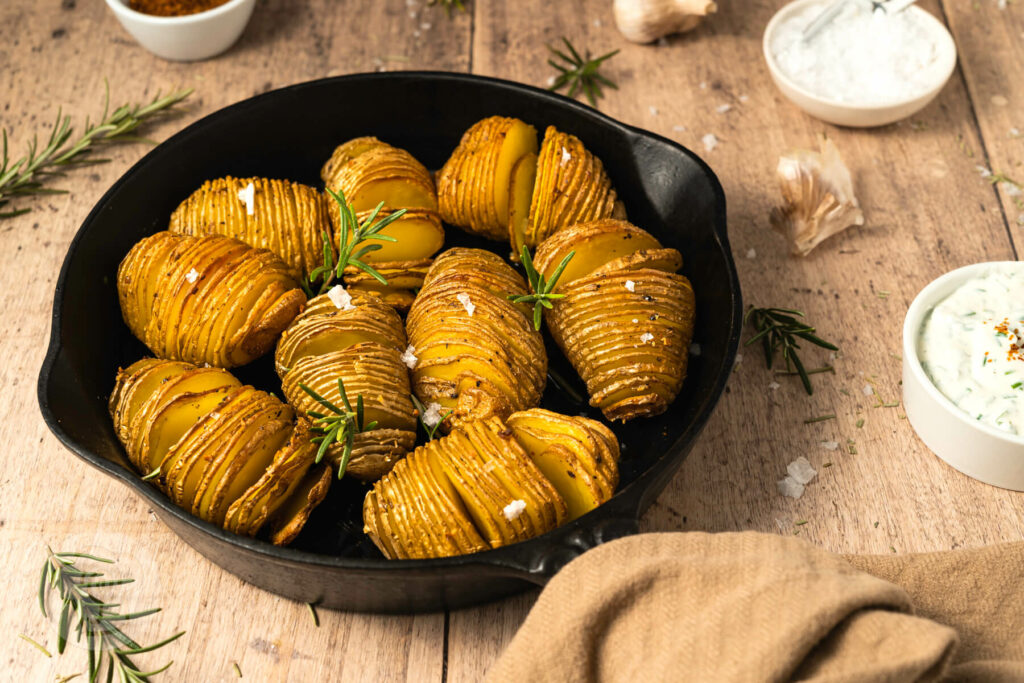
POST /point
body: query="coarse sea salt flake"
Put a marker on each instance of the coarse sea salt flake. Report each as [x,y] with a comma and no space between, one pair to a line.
[723,108]
[801,470]
[868,390]
[565,156]
[679,129]
[790,487]
[630,285]
[192,275]
[514,509]
[739,358]
[830,445]
[466,303]
[710,142]
[646,337]
[636,320]
[409,357]
[432,415]
[340,297]
[653,110]
[248,197]
[751,253]
[774,385]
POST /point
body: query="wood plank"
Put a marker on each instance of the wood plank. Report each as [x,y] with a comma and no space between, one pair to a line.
[989,38]
[927,212]
[59,57]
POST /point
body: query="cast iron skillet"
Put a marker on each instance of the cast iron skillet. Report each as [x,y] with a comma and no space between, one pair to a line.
[289,133]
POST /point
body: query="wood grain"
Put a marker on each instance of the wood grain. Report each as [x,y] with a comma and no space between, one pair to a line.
[928,210]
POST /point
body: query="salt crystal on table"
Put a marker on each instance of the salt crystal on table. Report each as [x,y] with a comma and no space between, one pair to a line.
[739,358]
[774,385]
[790,487]
[597,23]
[801,470]
[751,254]
[722,108]
[653,110]
[983,172]
[679,129]
[744,98]
[710,142]
[830,445]
[868,390]
[703,85]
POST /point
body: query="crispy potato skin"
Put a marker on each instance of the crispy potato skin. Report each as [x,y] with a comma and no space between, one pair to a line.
[228,453]
[626,321]
[362,346]
[571,187]
[206,299]
[483,485]
[479,364]
[288,218]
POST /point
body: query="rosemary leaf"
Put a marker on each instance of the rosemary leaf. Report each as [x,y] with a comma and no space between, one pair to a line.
[543,289]
[778,330]
[579,73]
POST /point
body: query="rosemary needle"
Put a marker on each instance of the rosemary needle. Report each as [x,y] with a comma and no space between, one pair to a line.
[312,612]
[449,5]
[580,74]
[35,644]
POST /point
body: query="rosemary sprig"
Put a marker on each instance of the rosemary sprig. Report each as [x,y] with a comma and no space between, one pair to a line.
[30,174]
[421,410]
[449,5]
[580,74]
[777,329]
[341,427]
[353,233]
[543,289]
[105,642]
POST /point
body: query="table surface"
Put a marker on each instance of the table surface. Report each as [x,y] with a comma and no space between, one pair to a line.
[928,210]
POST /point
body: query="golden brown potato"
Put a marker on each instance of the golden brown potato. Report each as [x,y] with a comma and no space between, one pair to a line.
[287,218]
[367,172]
[206,299]
[571,187]
[229,454]
[490,483]
[361,343]
[627,318]
[477,354]
[475,184]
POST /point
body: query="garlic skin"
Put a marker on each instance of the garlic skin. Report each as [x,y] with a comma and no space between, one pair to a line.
[644,21]
[817,195]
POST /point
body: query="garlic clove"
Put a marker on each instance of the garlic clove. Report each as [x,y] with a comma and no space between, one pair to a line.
[644,21]
[818,199]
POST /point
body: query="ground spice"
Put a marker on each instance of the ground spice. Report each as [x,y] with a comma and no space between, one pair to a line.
[173,8]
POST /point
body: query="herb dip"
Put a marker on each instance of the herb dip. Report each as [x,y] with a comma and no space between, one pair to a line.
[972,348]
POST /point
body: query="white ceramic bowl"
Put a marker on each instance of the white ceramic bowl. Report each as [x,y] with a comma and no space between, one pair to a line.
[976,449]
[188,38]
[855,115]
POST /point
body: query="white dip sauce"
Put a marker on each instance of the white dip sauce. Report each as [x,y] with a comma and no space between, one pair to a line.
[971,347]
[862,57]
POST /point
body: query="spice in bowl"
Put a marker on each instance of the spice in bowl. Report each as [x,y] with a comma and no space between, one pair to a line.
[972,348]
[173,8]
[862,57]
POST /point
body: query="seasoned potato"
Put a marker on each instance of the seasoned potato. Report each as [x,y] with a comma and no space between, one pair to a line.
[287,218]
[571,187]
[206,299]
[627,318]
[477,354]
[367,172]
[475,184]
[490,483]
[227,453]
[361,344]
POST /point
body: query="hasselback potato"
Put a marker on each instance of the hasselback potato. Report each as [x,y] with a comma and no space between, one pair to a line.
[206,299]
[490,483]
[287,218]
[626,319]
[227,453]
[495,160]
[570,187]
[367,172]
[477,353]
[361,342]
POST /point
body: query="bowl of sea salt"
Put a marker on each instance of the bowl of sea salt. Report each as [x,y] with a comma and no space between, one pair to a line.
[865,68]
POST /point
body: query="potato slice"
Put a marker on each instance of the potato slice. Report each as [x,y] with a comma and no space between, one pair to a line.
[595,244]
[668,260]
[288,520]
[404,278]
[524,176]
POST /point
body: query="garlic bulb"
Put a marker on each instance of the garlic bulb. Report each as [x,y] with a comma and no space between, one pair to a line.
[817,194]
[643,21]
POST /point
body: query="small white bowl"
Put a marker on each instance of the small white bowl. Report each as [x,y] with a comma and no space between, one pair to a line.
[187,38]
[845,113]
[976,449]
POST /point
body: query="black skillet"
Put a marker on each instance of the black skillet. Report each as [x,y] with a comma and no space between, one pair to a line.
[289,133]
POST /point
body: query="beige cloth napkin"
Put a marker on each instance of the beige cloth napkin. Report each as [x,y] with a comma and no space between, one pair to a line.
[761,607]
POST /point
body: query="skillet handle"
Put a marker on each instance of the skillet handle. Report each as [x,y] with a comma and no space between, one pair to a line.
[546,560]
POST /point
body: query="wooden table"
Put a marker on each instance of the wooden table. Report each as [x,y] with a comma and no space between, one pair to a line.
[928,210]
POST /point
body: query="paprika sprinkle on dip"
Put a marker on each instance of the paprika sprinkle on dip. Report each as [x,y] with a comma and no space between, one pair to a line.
[173,8]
